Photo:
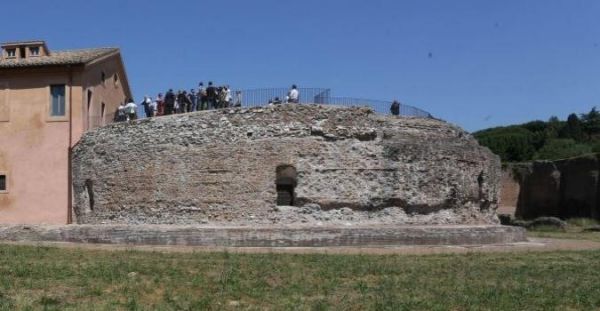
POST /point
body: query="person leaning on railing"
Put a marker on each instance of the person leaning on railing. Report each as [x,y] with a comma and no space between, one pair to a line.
[395,108]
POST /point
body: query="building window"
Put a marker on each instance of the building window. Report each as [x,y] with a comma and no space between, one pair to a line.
[11,53]
[3,183]
[23,52]
[34,51]
[57,92]
[103,77]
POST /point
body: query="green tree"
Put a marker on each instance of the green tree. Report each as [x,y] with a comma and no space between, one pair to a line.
[554,139]
[553,127]
[573,129]
[512,144]
[591,123]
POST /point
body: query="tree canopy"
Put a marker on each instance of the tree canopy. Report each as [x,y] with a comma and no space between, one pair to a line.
[544,140]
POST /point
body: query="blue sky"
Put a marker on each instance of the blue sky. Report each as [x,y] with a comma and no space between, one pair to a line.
[492,62]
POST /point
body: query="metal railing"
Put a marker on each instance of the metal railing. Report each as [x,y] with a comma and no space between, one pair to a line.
[249,98]
[380,106]
[262,97]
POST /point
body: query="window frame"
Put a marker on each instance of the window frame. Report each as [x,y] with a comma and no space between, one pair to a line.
[58,118]
[34,48]
[11,53]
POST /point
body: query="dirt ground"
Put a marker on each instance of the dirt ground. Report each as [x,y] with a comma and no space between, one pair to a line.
[533,245]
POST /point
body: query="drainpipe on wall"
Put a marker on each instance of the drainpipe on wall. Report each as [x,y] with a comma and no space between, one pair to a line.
[69,173]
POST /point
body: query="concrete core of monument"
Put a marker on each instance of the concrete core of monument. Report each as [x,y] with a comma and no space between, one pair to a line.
[289,175]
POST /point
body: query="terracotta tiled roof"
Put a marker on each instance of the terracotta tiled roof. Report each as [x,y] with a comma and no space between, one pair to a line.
[11,43]
[58,58]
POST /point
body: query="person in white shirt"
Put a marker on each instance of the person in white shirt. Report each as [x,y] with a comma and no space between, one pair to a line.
[294,95]
[121,115]
[130,110]
[153,107]
[227,91]
[238,98]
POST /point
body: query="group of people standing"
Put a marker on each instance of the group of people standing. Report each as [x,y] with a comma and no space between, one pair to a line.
[210,97]
[205,98]
[126,112]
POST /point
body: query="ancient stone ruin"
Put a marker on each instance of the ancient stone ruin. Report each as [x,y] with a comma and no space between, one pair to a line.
[284,165]
[568,188]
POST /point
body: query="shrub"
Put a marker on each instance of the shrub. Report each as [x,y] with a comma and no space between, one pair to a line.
[560,149]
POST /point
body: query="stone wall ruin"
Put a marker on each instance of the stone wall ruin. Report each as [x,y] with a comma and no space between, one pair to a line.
[568,188]
[233,166]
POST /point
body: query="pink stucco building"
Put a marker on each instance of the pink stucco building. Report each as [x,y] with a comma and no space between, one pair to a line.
[48,99]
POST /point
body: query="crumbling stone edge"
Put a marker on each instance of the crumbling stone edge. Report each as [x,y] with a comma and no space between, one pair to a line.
[265,236]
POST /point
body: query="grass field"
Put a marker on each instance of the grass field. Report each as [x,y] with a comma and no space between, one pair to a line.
[575,235]
[39,278]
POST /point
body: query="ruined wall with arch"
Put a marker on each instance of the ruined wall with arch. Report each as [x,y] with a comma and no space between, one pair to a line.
[236,166]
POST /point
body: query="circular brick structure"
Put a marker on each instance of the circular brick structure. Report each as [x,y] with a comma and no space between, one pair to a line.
[244,166]
[289,175]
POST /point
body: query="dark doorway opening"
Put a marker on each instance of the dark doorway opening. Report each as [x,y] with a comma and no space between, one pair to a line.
[286,185]
[89,185]
[102,109]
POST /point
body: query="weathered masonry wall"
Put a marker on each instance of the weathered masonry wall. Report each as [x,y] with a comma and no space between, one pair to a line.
[509,194]
[222,167]
[565,188]
[286,236]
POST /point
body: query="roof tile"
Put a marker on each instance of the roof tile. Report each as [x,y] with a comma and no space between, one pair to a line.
[58,58]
